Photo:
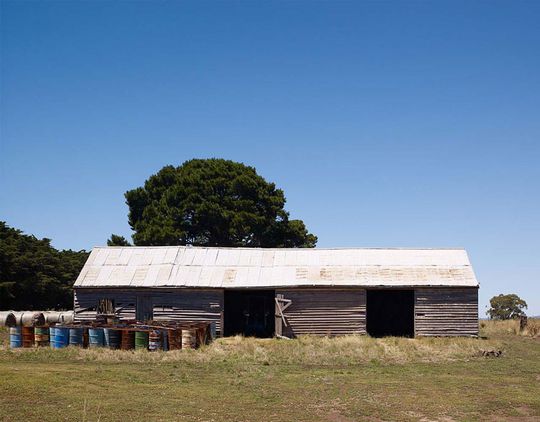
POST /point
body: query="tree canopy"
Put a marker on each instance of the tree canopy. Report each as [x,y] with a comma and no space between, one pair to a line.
[117,240]
[35,275]
[506,307]
[213,202]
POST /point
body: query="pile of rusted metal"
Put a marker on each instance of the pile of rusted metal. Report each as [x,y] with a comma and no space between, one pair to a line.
[32,330]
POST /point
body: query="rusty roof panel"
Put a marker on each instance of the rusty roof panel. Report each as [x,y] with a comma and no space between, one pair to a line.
[182,266]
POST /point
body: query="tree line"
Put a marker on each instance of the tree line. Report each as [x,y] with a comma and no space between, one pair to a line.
[203,202]
[35,275]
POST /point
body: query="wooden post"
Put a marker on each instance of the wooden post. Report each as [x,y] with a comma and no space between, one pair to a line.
[522,322]
[278,321]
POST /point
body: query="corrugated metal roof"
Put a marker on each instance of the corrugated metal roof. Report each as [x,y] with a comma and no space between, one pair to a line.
[180,266]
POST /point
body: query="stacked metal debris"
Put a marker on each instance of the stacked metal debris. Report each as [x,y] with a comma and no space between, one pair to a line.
[132,335]
[34,318]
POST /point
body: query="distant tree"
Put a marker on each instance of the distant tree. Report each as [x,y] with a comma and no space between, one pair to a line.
[33,274]
[117,240]
[213,202]
[506,307]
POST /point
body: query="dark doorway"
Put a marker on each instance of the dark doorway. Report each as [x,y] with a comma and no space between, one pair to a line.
[249,312]
[390,313]
[145,309]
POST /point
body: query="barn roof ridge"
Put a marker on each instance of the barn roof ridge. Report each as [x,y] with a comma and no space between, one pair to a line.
[346,248]
[214,267]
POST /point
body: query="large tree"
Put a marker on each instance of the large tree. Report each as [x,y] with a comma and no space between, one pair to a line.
[33,274]
[213,202]
[506,307]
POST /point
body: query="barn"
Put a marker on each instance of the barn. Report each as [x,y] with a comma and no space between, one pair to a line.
[285,292]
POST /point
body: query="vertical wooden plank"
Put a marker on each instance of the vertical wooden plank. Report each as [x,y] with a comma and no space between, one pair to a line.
[144,310]
[278,320]
[414,313]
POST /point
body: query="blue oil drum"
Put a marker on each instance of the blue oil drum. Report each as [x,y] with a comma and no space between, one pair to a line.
[76,337]
[15,337]
[113,338]
[52,332]
[60,338]
[96,337]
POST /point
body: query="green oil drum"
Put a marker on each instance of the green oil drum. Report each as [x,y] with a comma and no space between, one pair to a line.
[141,340]
[41,336]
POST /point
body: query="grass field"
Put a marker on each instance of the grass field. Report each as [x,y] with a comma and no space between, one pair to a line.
[310,379]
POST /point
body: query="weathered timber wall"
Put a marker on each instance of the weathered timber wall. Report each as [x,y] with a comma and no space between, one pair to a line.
[438,311]
[446,312]
[324,311]
[85,302]
[189,305]
[168,304]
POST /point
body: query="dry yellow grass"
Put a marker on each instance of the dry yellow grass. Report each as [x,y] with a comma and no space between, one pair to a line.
[306,350]
[511,326]
[309,379]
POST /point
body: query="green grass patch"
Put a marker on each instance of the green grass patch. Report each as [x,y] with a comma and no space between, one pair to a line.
[309,379]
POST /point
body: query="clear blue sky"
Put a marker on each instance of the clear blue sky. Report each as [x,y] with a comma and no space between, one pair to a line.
[413,124]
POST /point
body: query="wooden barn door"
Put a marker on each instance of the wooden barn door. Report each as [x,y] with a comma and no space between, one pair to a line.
[145,308]
[281,321]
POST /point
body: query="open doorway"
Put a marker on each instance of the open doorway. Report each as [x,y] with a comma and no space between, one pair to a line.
[249,312]
[390,313]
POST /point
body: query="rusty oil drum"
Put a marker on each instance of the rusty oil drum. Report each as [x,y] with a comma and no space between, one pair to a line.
[189,338]
[174,339]
[28,336]
[128,340]
[41,336]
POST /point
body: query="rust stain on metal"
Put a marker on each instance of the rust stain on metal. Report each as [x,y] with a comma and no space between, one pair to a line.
[229,276]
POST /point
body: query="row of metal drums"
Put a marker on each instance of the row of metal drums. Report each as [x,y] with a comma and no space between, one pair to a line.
[59,337]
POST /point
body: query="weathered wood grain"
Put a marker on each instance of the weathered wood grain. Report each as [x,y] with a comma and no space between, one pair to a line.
[324,311]
[184,305]
[316,311]
[446,312]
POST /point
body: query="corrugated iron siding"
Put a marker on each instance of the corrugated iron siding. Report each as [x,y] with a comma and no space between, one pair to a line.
[168,304]
[446,312]
[325,311]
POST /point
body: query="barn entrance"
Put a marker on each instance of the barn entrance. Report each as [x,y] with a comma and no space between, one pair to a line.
[390,313]
[249,312]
